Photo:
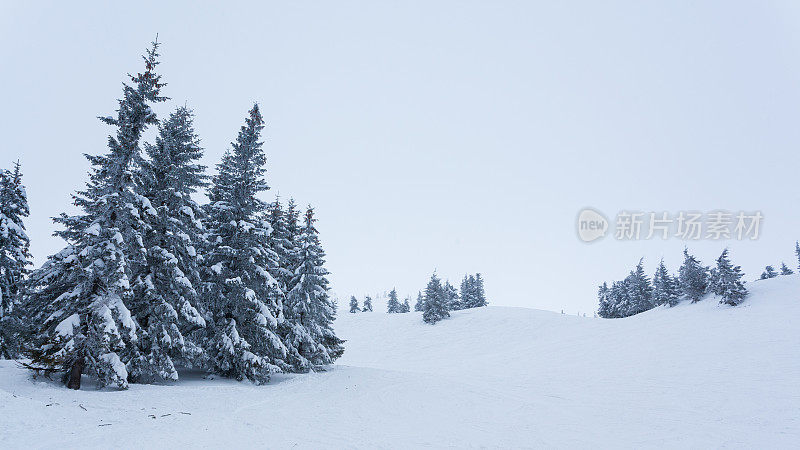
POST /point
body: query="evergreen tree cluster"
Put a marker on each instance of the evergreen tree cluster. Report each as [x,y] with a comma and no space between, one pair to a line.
[150,280]
[441,298]
[472,294]
[770,272]
[637,293]
[393,305]
[436,302]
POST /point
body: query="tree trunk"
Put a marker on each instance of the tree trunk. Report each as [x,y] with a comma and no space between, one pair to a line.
[75,372]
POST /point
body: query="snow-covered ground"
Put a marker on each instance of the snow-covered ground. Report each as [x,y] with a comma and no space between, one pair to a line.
[699,376]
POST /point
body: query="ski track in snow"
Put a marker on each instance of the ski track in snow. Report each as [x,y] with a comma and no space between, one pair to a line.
[696,375]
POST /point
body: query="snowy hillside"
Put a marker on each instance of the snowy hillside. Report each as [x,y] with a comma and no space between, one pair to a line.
[701,375]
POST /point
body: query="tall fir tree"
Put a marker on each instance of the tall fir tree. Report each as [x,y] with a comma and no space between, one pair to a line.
[242,295]
[354,305]
[785,270]
[693,277]
[367,304]
[665,287]
[769,272]
[725,281]
[406,306]
[166,298]
[435,304]
[79,298]
[393,305]
[15,256]
[309,309]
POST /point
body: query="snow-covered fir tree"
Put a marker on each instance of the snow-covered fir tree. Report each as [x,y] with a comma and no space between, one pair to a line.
[640,291]
[367,304]
[166,286]
[79,298]
[480,293]
[354,305]
[309,310]
[14,257]
[666,290]
[420,303]
[283,240]
[618,299]
[472,292]
[604,306]
[435,303]
[279,241]
[630,296]
[769,272]
[785,270]
[406,306]
[393,305]
[467,294]
[693,277]
[243,297]
[451,296]
[15,253]
[726,281]
[797,252]
[292,221]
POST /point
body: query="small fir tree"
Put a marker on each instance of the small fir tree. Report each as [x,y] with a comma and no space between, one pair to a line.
[354,308]
[665,287]
[604,307]
[451,297]
[480,294]
[393,305]
[797,252]
[769,272]
[725,281]
[435,304]
[693,277]
[640,291]
[367,304]
[467,295]
[419,305]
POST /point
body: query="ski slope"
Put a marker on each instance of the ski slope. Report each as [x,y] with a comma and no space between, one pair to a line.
[701,375]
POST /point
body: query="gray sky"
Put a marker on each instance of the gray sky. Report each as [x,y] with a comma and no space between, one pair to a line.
[457,136]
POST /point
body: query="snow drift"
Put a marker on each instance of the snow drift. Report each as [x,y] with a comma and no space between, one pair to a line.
[695,375]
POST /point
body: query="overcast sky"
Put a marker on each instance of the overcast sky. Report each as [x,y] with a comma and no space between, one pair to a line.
[459,137]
